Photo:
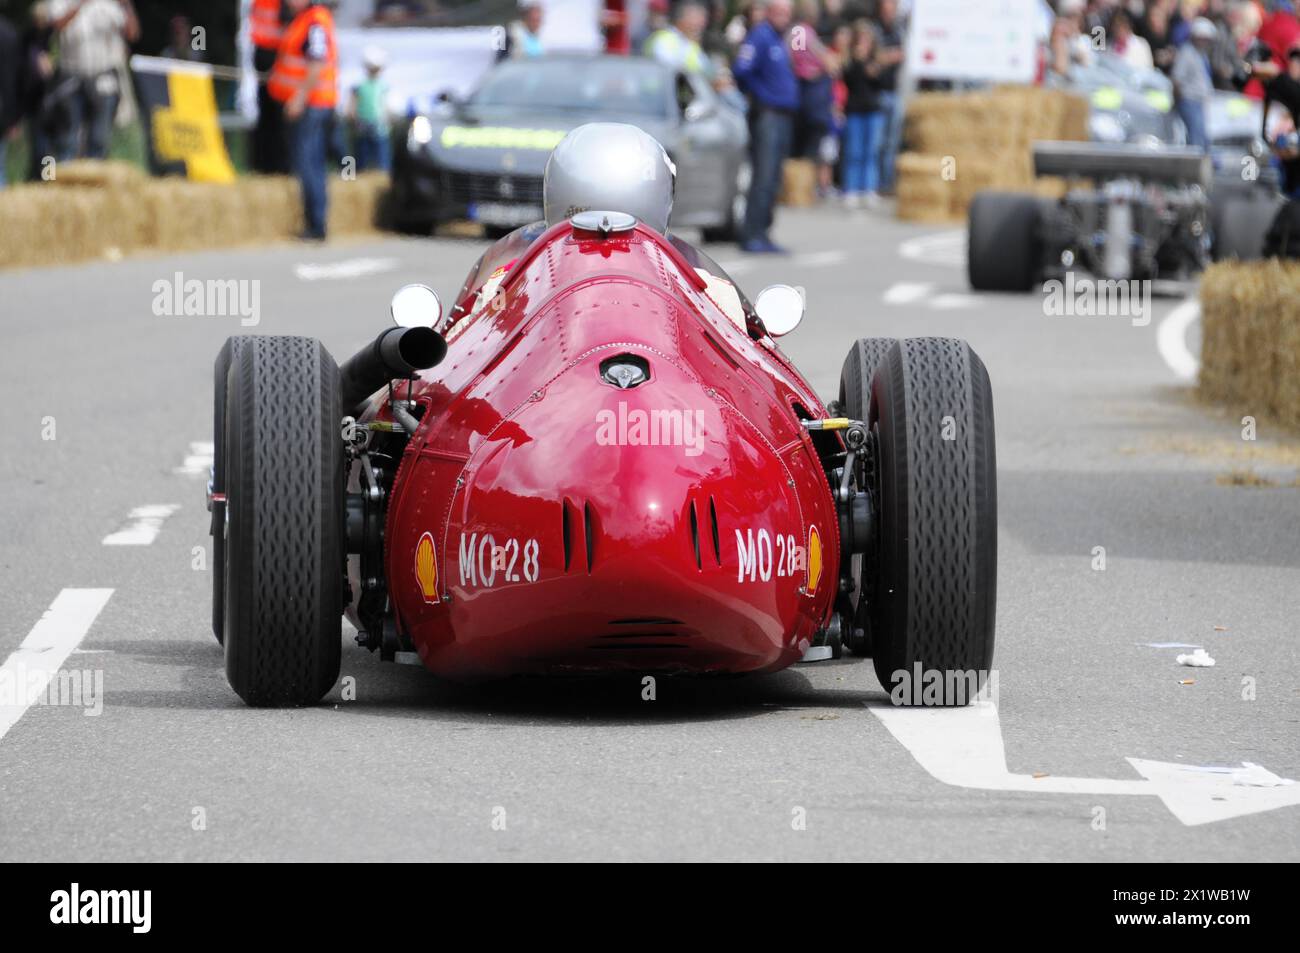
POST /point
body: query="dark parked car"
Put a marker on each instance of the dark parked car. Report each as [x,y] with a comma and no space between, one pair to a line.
[482,158]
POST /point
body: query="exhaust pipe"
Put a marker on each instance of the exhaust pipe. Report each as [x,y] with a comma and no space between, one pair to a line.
[397,352]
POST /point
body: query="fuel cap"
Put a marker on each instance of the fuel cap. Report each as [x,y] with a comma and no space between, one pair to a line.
[603,223]
[625,371]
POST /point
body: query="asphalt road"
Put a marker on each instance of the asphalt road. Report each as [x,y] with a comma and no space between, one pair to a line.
[1099,445]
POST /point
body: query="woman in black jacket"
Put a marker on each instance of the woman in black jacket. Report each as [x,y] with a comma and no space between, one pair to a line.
[864,122]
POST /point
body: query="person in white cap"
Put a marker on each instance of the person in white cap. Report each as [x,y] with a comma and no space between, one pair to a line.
[524,36]
[1194,80]
[369,114]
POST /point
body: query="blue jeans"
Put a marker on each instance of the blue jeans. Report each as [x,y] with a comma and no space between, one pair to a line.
[307,149]
[891,137]
[371,147]
[1192,113]
[772,132]
[90,118]
[862,137]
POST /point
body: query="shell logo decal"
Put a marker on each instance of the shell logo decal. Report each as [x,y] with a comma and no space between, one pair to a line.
[426,568]
[814,559]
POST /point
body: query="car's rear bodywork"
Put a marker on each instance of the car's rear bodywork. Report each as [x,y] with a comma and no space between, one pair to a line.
[545,518]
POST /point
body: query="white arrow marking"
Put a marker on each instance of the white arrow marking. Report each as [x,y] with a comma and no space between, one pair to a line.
[1171,339]
[146,522]
[343,270]
[963,747]
[26,673]
[197,461]
[907,292]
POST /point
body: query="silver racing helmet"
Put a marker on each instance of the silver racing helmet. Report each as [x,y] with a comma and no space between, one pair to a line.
[609,167]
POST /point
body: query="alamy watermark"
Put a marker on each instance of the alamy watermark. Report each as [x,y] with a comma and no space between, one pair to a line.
[1098,297]
[179,296]
[22,686]
[667,427]
[942,687]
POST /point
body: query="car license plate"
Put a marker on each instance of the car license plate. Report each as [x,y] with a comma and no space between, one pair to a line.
[498,213]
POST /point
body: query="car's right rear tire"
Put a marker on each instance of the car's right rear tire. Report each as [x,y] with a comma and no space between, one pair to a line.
[1002,242]
[285,544]
[932,619]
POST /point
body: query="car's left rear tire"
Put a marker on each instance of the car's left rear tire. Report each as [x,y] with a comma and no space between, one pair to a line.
[1002,241]
[1239,225]
[285,543]
[932,620]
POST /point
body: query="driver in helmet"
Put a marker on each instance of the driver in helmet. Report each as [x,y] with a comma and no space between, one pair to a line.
[600,166]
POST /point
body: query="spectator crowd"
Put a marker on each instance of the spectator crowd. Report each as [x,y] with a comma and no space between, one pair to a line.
[820,80]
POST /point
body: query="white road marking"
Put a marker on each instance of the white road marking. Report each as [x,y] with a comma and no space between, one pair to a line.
[963,747]
[907,292]
[197,461]
[145,523]
[812,259]
[1171,339]
[922,292]
[738,266]
[819,259]
[951,302]
[943,248]
[26,673]
[345,270]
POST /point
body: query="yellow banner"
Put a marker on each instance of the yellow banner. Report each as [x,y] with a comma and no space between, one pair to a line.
[187,129]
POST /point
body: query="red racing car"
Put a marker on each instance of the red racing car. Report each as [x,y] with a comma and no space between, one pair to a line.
[599,461]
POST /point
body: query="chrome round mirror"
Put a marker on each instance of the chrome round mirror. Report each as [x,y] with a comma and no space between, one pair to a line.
[416,306]
[780,307]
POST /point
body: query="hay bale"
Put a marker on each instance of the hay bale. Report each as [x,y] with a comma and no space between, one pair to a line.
[48,226]
[354,204]
[1250,351]
[926,192]
[798,183]
[990,136]
[104,174]
[270,207]
[108,209]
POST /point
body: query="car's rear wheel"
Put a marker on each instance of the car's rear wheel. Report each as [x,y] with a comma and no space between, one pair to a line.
[284,548]
[932,616]
[221,368]
[855,398]
[1002,242]
[1239,224]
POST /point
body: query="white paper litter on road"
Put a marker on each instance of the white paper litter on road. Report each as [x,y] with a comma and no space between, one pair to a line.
[1198,659]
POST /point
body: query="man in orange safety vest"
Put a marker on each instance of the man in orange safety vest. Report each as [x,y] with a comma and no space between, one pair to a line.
[304,80]
[266,27]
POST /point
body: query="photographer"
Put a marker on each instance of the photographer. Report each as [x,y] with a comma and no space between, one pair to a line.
[1281,86]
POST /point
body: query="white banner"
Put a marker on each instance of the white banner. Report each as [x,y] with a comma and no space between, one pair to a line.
[422,63]
[991,40]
